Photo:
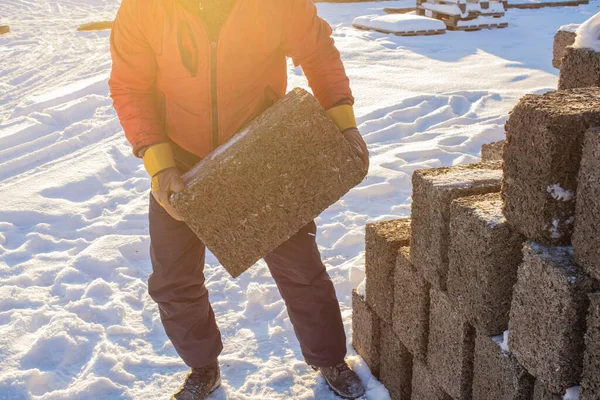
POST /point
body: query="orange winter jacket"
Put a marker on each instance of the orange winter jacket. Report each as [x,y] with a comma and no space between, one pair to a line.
[172,80]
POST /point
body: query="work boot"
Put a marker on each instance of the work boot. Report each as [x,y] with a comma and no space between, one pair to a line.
[342,380]
[200,382]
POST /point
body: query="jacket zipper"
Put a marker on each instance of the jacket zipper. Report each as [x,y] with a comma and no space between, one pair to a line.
[213,90]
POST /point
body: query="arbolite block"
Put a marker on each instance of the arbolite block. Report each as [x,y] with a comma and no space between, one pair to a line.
[563,38]
[484,255]
[497,374]
[540,392]
[366,332]
[590,384]
[382,241]
[492,151]
[395,365]
[451,347]
[410,314]
[579,68]
[544,134]
[268,181]
[586,237]
[547,316]
[433,191]
[424,386]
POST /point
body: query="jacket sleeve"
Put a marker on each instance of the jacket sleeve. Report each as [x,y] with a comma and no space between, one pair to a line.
[132,81]
[307,39]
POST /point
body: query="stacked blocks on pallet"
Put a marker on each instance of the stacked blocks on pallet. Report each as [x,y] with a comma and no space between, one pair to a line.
[289,164]
[395,364]
[579,68]
[541,161]
[424,386]
[451,347]
[586,237]
[484,256]
[383,239]
[564,37]
[433,191]
[547,320]
[590,384]
[411,305]
[497,374]
[366,332]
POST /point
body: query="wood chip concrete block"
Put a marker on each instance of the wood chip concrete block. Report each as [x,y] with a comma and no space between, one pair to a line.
[382,241]
[433,191]
[484,256]
[548,315]
[366,334]
[424,386]
[541,392]
[544,135]
[586,236]
[395,364]
[268,181]
[492,151]
[579,68]
[451,347]
[411,305]
[497,374]
[590,383]
[563,38]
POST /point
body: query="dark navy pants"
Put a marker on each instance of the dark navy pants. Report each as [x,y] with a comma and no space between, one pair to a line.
[177,285]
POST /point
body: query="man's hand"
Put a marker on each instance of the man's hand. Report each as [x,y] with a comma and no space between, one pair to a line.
[164,183]
[355,139]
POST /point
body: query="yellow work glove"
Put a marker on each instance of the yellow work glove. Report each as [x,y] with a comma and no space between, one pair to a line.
[166,178]
[343,117]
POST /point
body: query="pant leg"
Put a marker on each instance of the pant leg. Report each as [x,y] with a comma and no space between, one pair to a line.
[177,285]
[310,298]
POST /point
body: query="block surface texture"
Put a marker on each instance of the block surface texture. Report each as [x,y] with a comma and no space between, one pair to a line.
[562,39]
[540,392]
[590,384]
[366,334]
[497,374]
[268,181]
[547,317]
[451,347]
[484,256]
[544,134]
[395,365]
[424,386]
[579,68]
[586,237]
[411,305]
[492,151]
[382,241]
[433,191]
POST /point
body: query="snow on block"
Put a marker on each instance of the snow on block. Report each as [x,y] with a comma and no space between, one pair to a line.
[586,236]
[424,386]
[544,135]
[484,256]
[580,67]
[400,24]
[365,332]
[497,374]
[4,29]
[382,242]
[564,37]
[433,191]
[451,347]
[270,180]
[547,317]
[410,314]
[492,151]
[395,364]
[590,383]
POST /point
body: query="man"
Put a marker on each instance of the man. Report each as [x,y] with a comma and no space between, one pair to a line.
[186,76]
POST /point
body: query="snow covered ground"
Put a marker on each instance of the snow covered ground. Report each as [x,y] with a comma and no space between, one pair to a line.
[75,318]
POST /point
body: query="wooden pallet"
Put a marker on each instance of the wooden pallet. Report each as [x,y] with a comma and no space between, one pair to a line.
[574,3]
[476,27]
[399,10]
[4,29]
[430,32]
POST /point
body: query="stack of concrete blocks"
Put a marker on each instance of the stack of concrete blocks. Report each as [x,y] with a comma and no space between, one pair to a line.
[564,37]
[490,300]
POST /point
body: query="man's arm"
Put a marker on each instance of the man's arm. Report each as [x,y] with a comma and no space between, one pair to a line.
[133,90]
